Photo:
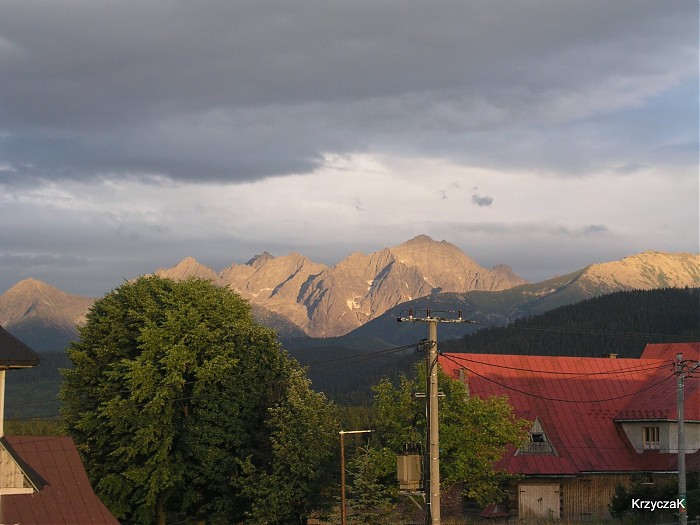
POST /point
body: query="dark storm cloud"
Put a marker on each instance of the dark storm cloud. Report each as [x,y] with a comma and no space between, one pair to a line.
[236,91]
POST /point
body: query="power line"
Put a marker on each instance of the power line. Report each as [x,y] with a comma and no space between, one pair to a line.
[629,370]
[365,355]
[546,398]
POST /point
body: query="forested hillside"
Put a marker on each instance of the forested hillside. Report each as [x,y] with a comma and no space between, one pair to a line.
[621,323]
[345,369]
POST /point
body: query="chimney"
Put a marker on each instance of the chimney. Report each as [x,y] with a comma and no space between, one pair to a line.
[464,379]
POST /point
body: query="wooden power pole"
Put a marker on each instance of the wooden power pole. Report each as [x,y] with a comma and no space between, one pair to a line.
[433,491]
[683,369]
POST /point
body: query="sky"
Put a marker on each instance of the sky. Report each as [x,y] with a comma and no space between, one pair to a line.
[542,134]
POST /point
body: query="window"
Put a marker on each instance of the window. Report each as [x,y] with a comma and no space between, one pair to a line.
[651,438]
[537,437]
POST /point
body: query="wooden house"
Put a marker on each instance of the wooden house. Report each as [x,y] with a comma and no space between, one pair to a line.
[42,479]
[596,423]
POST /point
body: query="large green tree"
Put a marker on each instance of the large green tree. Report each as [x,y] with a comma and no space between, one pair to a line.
[474,432]
[301,474]
[178,402]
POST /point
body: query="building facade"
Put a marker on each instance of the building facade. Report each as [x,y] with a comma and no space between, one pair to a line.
[596,424]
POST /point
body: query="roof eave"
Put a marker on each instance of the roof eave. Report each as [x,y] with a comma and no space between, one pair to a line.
[32,476]
[18,366]
[654,420]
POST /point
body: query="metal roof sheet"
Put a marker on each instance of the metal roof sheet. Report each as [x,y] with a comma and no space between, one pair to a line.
[66,499]
[578,399]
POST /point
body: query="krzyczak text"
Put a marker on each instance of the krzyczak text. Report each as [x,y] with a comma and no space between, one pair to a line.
[660,504]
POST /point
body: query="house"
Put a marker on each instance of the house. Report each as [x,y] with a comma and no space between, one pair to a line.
[63,494]
[42,479]
[596,422]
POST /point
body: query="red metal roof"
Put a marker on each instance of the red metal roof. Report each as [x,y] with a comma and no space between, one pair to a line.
[669,351]
[578,401]
[66,499]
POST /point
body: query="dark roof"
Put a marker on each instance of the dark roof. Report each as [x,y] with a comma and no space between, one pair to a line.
[578,401]
[31,475]
[66,498]
[14,353]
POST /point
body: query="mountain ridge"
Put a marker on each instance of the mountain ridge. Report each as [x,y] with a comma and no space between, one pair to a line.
[327,301]
[301,298]
[42,315]
[644,271]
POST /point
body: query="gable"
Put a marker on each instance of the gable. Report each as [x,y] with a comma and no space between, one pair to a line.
[16,477]
[538,443]
[66,498]
[668,351]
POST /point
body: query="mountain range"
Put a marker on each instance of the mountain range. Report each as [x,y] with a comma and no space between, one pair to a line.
[644,271]
[364,292]
[331,301]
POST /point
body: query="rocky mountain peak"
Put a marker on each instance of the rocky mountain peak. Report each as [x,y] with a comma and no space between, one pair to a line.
[260,259]
[419,239]
[188,267]
[503,271]
[32,298]
[331,301]
[646,271]
[33,290]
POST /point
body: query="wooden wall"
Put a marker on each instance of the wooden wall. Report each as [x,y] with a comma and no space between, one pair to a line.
[587,498]
[581,499]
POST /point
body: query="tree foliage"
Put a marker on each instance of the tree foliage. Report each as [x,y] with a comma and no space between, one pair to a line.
[176,402]
[303,433]
[621,323]
[373,490]
[474,432]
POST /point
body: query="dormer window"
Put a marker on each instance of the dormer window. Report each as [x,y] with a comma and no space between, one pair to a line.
[537,443]
[651,438]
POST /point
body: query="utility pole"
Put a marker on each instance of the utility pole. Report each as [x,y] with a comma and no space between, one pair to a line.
[342,468]
[431,371]
[683,370]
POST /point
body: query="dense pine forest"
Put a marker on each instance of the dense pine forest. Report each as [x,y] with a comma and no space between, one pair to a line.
[621,323]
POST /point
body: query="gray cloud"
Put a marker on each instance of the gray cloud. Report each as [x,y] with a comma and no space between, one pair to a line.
[592,229]
[480,201]
[103,101]
[236,91]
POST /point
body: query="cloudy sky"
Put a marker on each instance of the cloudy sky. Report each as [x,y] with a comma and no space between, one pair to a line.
[543,134]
